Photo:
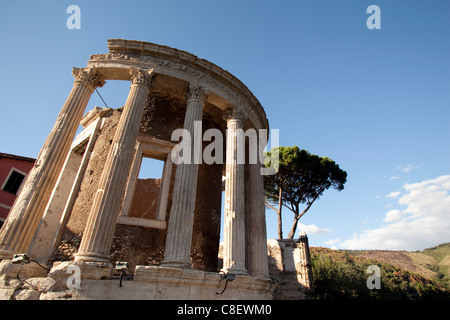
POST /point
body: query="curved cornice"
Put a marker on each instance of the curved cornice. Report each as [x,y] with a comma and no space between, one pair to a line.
[186,66]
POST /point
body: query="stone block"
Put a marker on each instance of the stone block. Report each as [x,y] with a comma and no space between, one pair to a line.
[21,271]
[33,283]
[212,279]
[6,294]
[27,295]
[170,275]
[193,277]
[62,295]
[172,291]
[88,270]
[60,272]
[146,273]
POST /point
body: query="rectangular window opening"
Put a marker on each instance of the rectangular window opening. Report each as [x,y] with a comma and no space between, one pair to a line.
[144,204]
[14,182]
[151,168]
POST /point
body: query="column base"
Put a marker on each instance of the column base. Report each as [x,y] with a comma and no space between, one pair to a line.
[235,271]
[6,255]
[176,264]
[91,257]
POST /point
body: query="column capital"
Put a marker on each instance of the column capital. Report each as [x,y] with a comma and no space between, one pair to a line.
[141,76]
[234,114]
[196,92]
[88,76]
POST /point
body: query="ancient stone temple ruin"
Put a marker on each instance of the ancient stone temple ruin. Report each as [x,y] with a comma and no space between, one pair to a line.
[83,209]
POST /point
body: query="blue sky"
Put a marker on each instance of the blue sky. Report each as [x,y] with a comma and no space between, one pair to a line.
[375,101]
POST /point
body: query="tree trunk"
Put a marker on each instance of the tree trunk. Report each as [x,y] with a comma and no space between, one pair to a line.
[297,216]
[280,228]
[293,229]
[280,225]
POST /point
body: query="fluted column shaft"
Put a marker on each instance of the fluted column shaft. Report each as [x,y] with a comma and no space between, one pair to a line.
[23,219]
[99,231]
[234,222]
[179,233]
[258,264]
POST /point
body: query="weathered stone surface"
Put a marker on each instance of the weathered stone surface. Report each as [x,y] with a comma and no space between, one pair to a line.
[6,293]
[234,215]
[138,245]
[145,199]
[60,272]
[24,294]
[290,266]
[62,295]
[179,230]
[28,270]
[289,270]
[176,283]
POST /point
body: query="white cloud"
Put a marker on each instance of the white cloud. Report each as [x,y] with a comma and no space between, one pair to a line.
[392,215]
[393,194]
[424,222]
[312,229]
[394,178]
[407,167]
[332,241]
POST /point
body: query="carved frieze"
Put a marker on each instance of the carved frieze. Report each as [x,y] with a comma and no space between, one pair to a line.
[189,73]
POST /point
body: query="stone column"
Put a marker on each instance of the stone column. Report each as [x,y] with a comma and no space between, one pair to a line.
[179,234]
[234,222]
[60,204]
[258,264]
[28,209]
[97,238]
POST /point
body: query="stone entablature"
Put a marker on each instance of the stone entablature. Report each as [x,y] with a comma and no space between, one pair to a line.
[226,91]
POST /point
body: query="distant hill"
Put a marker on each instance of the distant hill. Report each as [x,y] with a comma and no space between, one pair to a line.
[419,275]
[432,263]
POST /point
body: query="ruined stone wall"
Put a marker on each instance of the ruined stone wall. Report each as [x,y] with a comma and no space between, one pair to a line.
[290,269]
[207,214]
[139,245]
[145,199]
[207,218]
[162,115]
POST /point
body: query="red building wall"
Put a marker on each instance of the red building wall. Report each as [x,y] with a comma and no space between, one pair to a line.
[8,162]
